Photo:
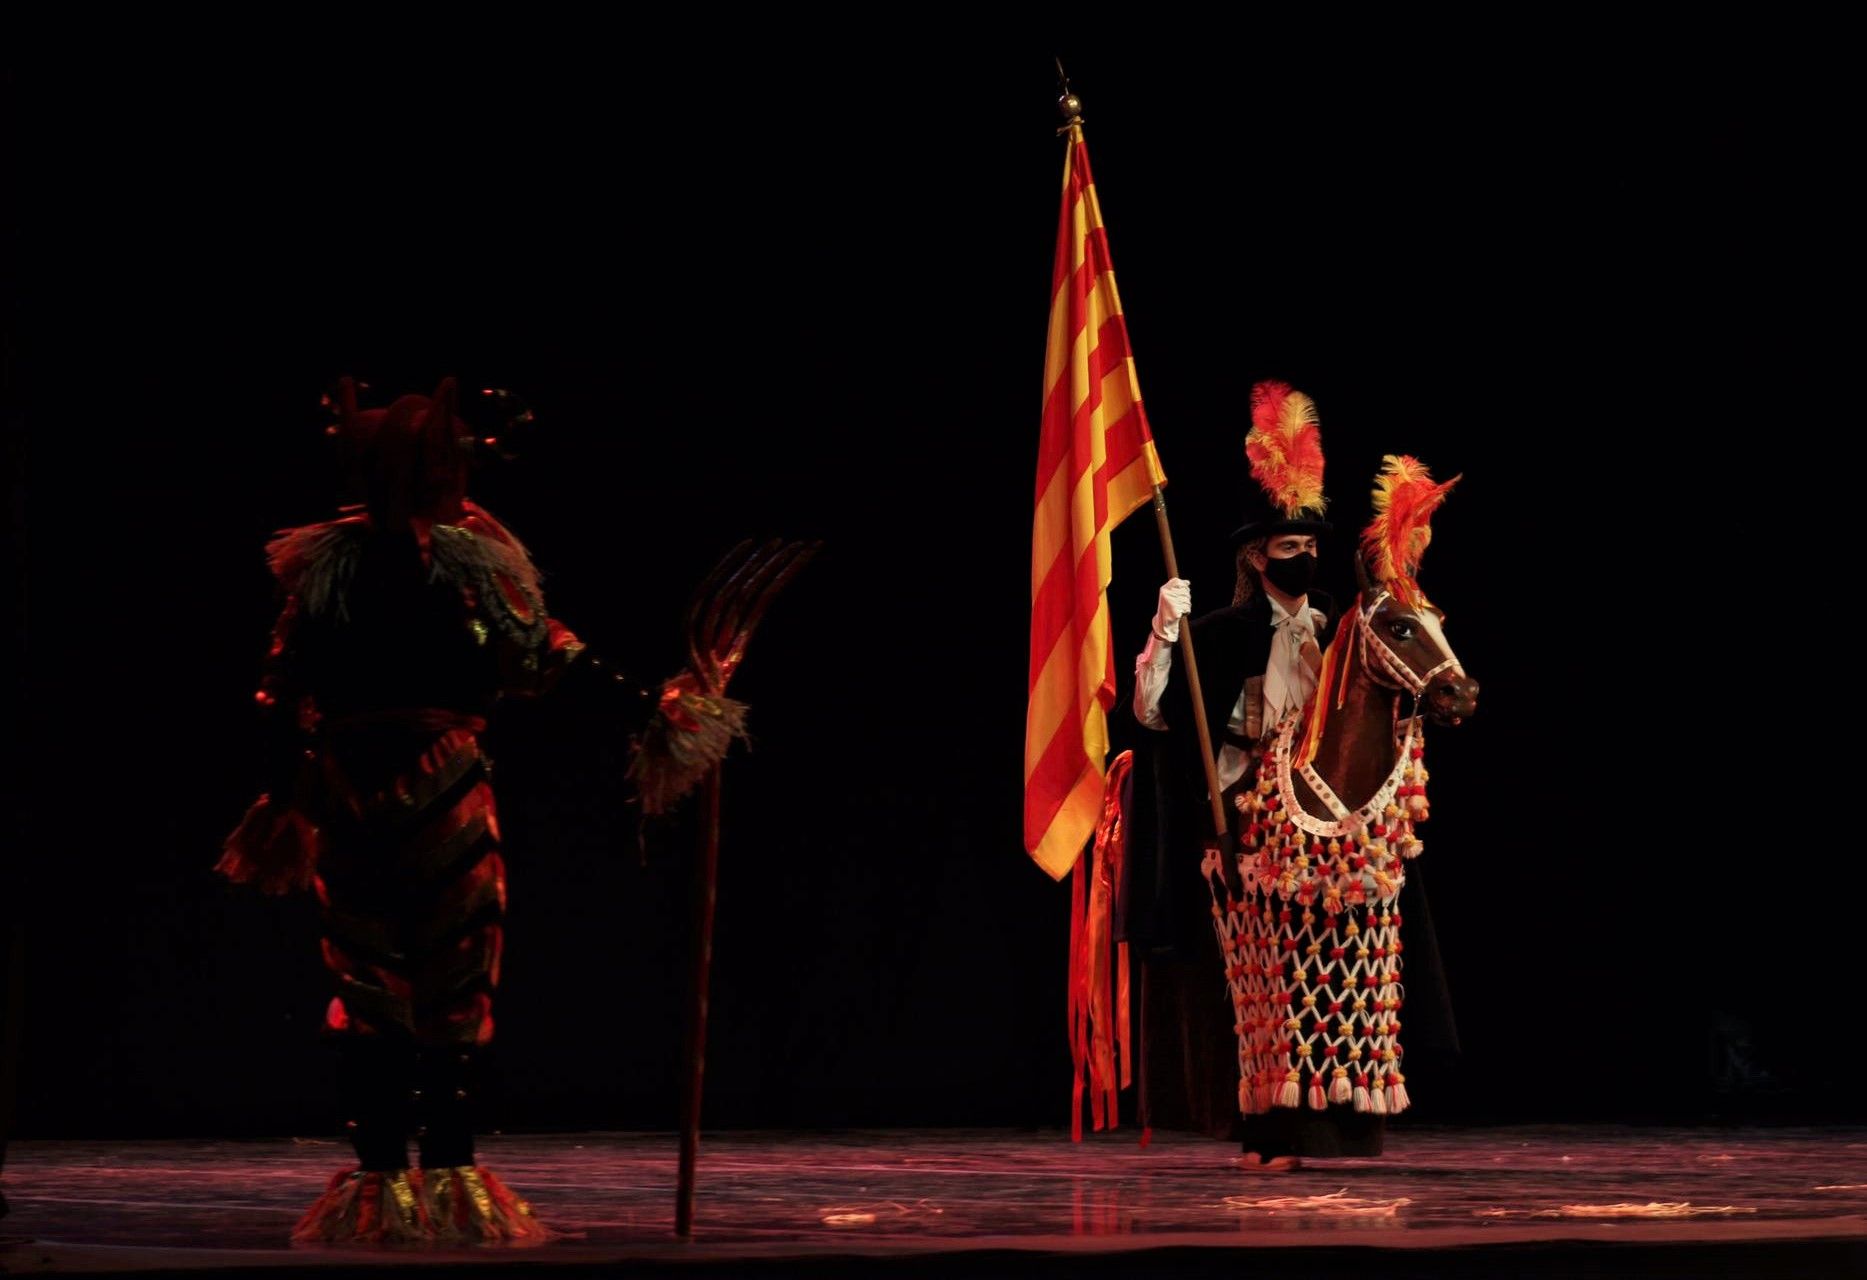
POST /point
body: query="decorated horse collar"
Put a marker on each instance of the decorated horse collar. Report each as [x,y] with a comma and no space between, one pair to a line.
[1346,822]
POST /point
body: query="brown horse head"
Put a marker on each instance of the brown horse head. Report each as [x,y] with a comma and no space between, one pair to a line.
[1405,645]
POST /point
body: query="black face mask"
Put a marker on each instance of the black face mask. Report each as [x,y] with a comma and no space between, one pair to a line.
[1291,575]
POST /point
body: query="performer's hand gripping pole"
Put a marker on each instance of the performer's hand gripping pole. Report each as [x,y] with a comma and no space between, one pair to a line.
[1220,828]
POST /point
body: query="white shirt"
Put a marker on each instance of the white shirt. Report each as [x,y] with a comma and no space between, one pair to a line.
[1288,680]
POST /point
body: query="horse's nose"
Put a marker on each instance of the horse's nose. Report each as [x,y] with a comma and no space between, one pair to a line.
[1456,693]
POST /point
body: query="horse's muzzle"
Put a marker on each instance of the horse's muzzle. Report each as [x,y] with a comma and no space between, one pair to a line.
[1450,698]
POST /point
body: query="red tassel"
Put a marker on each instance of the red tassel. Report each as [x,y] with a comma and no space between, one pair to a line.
[1123,1021]
[1098,994]
[1078,997]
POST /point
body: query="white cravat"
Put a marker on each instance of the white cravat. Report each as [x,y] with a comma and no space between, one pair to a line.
[1288,680]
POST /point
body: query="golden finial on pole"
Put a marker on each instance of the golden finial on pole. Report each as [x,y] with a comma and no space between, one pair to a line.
[1069,106]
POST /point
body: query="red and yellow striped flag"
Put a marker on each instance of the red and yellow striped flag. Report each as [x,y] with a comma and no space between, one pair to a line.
[1096,464]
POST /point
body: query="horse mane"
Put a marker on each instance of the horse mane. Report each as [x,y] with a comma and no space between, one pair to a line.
[1338,666]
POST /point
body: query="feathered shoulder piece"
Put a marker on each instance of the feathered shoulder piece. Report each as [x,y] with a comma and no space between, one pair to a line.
[1405,497]
[315,562]
[483,559]
[1284,448]
[465,553]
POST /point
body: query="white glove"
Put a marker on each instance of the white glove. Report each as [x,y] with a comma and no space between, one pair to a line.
[1176,601]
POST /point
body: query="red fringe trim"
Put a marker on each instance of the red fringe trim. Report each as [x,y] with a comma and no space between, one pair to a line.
[275,849]
[367,1208]
[470,1205]
[420,1208]
[1099,989]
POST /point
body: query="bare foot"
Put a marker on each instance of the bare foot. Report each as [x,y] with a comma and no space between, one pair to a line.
[1252,1162]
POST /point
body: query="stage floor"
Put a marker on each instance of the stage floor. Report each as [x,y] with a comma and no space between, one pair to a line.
[1478,1201]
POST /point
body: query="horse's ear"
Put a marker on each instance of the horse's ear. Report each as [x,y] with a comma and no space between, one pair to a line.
[1364,581]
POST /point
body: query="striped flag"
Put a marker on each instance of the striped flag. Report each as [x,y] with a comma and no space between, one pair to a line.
[1095,464]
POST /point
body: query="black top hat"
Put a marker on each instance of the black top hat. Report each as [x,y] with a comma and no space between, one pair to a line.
[1262,520]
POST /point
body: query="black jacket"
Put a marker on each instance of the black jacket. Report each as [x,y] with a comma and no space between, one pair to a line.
[1164,904]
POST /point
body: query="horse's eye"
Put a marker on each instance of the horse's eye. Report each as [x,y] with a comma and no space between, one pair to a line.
[1401,630]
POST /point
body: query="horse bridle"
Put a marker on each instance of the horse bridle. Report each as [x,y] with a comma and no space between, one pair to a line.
[1403,676]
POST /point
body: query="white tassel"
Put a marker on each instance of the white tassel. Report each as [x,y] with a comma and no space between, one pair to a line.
[1378,1102]
[1398,1101]
[1361,1097]
[1338,1088]
[1290,1094]
[1318,1100]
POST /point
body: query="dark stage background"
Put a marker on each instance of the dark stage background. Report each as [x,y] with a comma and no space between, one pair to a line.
[770,289]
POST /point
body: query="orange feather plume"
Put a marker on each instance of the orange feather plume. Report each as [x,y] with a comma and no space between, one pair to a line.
[1284,448]
[1405,497]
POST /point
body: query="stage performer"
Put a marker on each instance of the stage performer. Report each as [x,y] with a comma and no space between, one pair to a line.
[1307,901]
[404,621]
[1258,659]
